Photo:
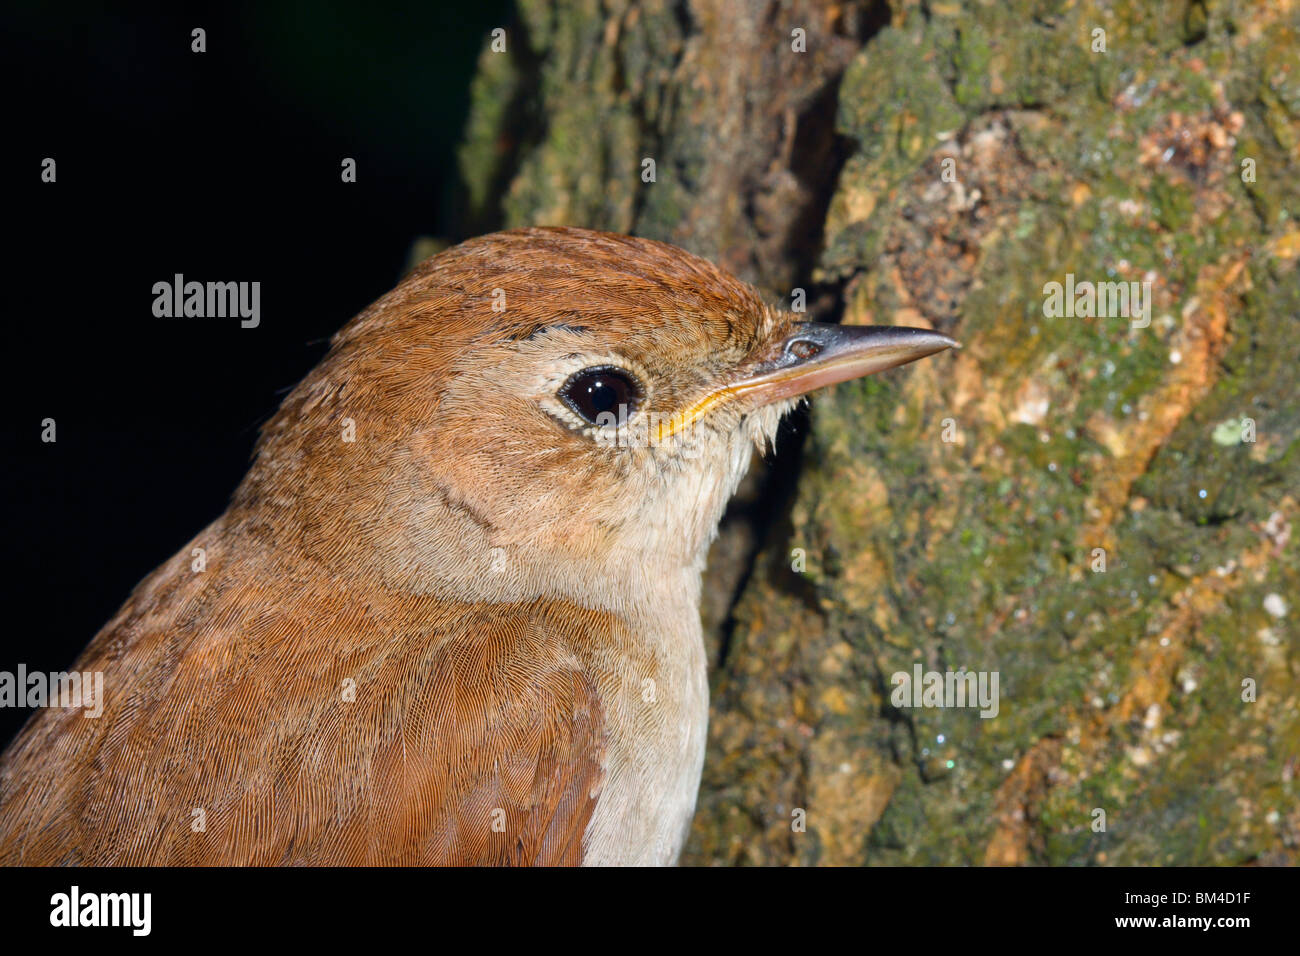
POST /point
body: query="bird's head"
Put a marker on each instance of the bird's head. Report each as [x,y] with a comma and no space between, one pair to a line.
[539,410]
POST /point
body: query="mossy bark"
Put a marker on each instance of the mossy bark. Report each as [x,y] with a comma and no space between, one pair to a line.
[938,164]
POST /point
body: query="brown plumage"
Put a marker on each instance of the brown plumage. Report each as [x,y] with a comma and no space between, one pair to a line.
[441,622]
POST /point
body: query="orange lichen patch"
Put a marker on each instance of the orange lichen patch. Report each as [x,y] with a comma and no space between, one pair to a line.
[1193,148]
[1262,20]
[1199,342]
[1156,658]
[1154,665]
[1285,246]
[971,388]
[1024,787]
[845,802]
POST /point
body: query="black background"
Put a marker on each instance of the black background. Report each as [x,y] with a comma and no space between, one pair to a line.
[223,166]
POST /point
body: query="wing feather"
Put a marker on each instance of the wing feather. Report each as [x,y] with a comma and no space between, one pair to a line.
[244,726]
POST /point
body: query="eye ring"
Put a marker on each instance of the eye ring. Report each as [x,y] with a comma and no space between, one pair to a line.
[601,390]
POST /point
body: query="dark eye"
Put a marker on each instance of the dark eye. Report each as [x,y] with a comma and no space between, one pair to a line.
[604,388]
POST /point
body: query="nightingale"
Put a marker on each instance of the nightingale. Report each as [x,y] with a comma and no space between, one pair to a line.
[451,615]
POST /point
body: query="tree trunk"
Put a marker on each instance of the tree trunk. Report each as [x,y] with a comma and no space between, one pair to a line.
[1096,509]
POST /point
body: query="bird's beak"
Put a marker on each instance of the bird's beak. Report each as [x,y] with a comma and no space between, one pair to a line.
[816,354]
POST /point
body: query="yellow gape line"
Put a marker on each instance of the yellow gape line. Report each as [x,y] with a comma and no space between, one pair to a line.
[693,414]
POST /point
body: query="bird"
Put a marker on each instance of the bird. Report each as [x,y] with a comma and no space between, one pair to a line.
[451,614]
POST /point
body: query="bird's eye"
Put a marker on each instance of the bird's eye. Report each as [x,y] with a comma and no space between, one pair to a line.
[601,389]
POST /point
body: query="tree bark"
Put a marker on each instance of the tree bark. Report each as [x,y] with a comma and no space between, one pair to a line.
[1098,511]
